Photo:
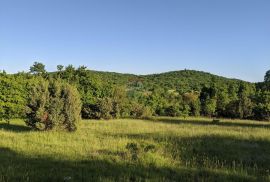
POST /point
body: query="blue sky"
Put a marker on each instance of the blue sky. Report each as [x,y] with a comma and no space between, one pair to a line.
[225,37]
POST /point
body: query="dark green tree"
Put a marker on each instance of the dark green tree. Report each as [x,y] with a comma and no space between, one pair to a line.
[37,68]
[267,76]
[245,105]
[262,108]
[208,100]
[60,68]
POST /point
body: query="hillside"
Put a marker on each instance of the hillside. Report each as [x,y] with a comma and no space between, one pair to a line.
[182,79]
[114,95]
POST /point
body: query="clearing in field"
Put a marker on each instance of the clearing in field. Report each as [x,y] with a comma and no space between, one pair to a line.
[165,149]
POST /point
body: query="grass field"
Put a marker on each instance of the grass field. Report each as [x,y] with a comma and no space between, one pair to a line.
[165,149]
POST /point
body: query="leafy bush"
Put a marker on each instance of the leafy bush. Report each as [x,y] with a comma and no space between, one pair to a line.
[12,97]
[140,111]
[52,105]
[135,151]
[105,107]
[172,111]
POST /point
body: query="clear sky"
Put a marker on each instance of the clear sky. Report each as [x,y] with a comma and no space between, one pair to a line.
[225,37]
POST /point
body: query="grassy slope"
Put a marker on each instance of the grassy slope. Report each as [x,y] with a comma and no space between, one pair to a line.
[162,150]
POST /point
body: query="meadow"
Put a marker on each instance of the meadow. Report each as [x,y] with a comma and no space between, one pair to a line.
[162,149]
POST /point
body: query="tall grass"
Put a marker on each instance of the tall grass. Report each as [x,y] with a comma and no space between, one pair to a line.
[164,149]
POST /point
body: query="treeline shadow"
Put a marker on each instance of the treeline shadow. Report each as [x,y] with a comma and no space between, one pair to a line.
[209,123]
[18,167]
[214,151]
[14,128]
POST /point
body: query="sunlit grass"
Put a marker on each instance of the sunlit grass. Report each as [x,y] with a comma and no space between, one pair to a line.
[164,149]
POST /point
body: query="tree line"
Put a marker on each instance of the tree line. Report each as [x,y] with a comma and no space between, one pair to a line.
[105,95]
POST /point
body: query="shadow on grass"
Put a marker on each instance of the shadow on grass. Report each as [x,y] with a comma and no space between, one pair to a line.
[209,123]
[17,167]
[14,128]
[214,151]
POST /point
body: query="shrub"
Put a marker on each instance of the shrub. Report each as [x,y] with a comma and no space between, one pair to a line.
[147,113]
[133,150]
[140,111]
[52,105]
[90,111]
[262,112]
[105,108]
[172,110]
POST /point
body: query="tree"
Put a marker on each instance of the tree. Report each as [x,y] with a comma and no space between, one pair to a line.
[69,74]
[245,105]
[192,100]
[119,99]
[208,100]
[210,107]
[60,68]
[37,68]
[172,110]
[267,76]
[52,105]
[262,108]
[12,97]
[222,101]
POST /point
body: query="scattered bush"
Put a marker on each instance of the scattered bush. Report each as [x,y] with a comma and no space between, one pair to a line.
[136,150]
[133,150]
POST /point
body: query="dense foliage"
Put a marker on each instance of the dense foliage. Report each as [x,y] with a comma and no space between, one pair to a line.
[52,105]
[113,95]
[12,96]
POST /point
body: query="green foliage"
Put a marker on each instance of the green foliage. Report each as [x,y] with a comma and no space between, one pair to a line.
[210,107]
[114,95]
[12,97]
[267,76]
[140,111]
[52,105]
[60,68]
[262,109]
[208,99]
[133,150]
[192,101]
[37,68]
[245,102]
[105,106]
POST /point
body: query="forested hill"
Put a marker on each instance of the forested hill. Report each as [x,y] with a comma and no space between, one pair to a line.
[178,80]
[114,95]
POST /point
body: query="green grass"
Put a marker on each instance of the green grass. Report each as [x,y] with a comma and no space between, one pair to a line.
[166,149]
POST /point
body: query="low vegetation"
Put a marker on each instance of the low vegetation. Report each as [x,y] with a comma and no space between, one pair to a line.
[163,149]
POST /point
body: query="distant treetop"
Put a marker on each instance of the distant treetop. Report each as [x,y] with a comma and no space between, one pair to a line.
[267,76]
[37,68]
